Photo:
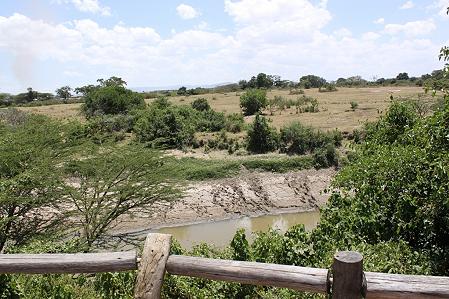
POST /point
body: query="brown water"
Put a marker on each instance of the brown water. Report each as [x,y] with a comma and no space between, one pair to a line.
[220,233]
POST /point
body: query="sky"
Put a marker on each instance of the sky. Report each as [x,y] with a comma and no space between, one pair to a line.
[46,44]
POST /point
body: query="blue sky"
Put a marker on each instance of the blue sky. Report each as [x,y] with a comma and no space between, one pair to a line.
[45,44]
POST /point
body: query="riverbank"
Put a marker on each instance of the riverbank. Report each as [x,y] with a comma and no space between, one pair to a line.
[251,193]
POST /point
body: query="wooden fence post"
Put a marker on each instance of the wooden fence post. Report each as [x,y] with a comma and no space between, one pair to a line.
[152,266]
[347,275]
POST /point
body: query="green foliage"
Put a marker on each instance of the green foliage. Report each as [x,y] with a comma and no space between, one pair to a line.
[235,123]
[306,104]
[165,126]
[64,92]
[400,117]
[29,147]
[311,81]
[402,76]
[326,157]
[240,247]
[200,104]
[354,105]
[261,137]
[299,139]
[106,128]
[328,87]
[111,99]
[110,184]
[210,121]
[264,81]
[253,101]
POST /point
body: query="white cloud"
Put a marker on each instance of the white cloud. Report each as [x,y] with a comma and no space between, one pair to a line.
[277,37]
[407,5]
[187,12]
[276,21]
[421,27]
[380,21]
[342,32]
[370,36]
[441,6]
[202,26]
[91,6]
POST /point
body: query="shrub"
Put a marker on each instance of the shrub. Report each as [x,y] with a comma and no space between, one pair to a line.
[400,117]
[306,104]
[261,137]
[200,104]
[165,127]
[326,157]
[296,91]
[298,139]
[111,100]
[328,88]
[253,101]
[235,123]
[210,121]
[354,105]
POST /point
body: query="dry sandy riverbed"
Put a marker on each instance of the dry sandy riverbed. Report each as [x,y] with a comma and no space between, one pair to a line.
[248,194]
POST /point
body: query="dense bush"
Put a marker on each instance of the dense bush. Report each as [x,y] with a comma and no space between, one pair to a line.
[210,121]
[253,101]
[166,125]
[299,139]
[400,117]
[235,123]
[111,100]
[261,137]
[200,104]
[163,125]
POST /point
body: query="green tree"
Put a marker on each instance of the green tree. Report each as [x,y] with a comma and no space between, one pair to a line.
[29,181]
[402,76]
[261,137]
[182,91]
[253,101]
[311,81]
[113,81]
[64,93]
[84,90]
[264,81]
[111,99]
[111,184]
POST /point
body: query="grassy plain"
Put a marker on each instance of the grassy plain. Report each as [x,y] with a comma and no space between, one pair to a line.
[335,108]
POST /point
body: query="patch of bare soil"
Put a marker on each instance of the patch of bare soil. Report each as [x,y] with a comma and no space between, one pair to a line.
[248,194]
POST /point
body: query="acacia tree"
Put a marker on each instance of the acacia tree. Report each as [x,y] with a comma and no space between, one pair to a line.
[64,93]
[112,184]
[29,184]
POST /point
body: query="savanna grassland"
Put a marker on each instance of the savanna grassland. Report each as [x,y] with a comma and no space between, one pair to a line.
[335,107]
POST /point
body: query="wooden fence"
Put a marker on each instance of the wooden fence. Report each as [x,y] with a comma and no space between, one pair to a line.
[345,279]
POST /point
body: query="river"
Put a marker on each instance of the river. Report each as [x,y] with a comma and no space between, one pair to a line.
[220,233]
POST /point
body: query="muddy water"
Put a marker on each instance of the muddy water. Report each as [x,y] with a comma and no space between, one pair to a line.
[220,233]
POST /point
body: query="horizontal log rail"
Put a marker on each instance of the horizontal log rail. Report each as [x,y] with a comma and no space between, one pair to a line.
[345,282]
[67,263]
